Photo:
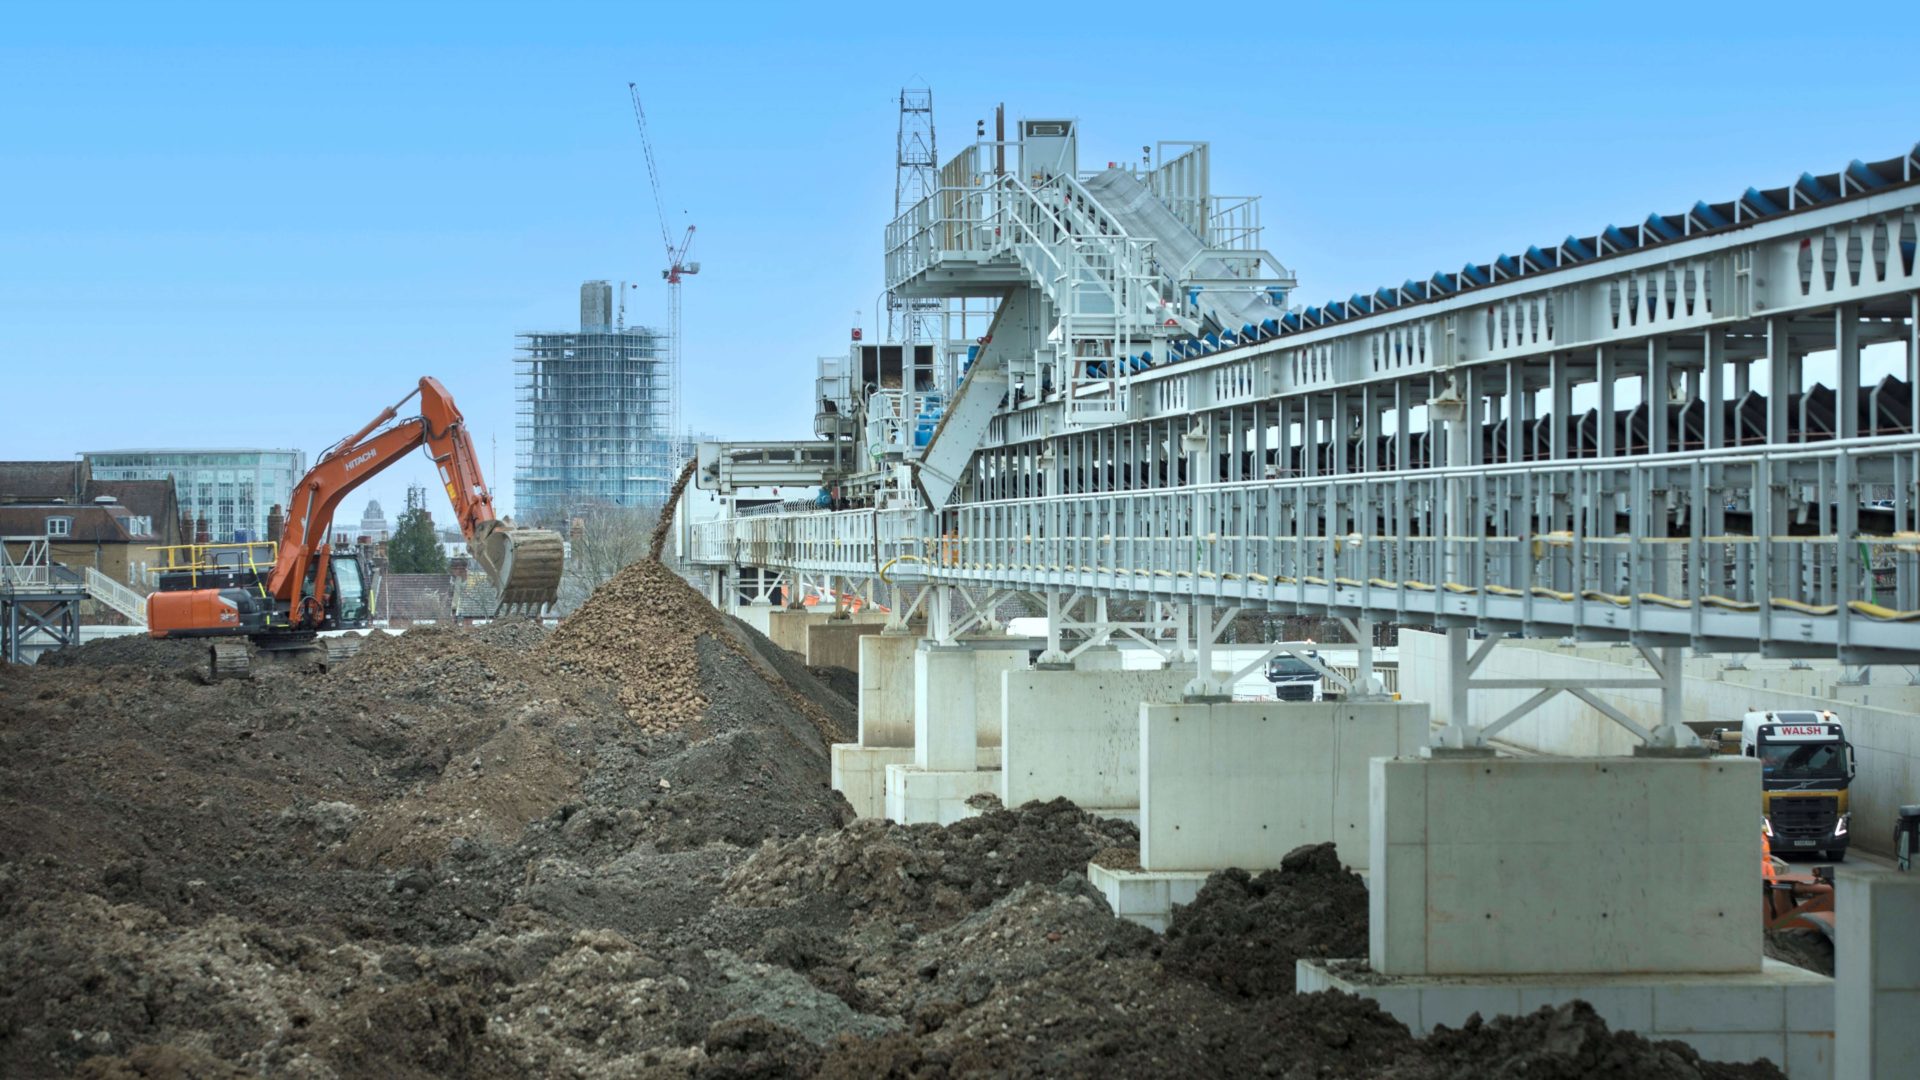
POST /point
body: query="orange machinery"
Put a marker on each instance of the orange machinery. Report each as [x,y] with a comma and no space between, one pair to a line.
[282,601]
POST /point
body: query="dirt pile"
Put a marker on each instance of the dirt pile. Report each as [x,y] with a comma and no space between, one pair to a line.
[1243,933]
[502,852]
[639,630]
[932,874]
[1570,1042]
[1809,949]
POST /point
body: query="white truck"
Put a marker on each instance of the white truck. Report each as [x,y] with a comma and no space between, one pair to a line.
[1806,764]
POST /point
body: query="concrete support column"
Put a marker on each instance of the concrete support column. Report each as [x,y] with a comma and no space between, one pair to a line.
[1877,974]
[1243,783]
[945,737]
[1075,734]
[1529,866]
[834,640]
[886,722]
[956,729]
[757,613]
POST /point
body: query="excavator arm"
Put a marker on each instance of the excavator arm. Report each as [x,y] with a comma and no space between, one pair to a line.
[524,564]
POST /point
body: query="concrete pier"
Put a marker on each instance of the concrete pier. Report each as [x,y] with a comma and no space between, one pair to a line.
[1502,884]
[789,627]
[1228,784]
[1076,734]
[956,729]
[1534,866]
[886,722]
[1243,783]
[1877,991]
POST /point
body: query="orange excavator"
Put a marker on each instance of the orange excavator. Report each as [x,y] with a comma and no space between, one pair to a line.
[282,599]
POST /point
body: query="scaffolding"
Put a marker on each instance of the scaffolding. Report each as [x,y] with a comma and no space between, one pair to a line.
[595,419]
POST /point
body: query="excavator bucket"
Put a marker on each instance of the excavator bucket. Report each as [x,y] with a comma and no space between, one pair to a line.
[525,565]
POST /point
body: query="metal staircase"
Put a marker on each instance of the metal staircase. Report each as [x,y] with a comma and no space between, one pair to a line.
[117,596]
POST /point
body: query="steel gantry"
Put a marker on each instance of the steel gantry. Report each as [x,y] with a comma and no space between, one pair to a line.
[1629,436]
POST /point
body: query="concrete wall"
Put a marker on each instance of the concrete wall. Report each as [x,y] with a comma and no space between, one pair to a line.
[1877,968]
[860,774]
[1886,741]
[1522,866]
[1076,734]
[1781,1012]
[788,629]
[916,796]
[953,685]
[758,616]
[1243,783]
[886,689]
[837,644]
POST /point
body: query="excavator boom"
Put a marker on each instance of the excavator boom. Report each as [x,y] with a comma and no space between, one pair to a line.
[524,564]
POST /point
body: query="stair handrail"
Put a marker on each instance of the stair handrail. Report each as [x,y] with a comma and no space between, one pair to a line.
[116,596]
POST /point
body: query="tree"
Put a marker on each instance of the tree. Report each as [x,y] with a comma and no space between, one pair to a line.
[414,547]
[603,541]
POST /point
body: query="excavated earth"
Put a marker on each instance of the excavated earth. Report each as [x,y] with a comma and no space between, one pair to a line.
[611,851]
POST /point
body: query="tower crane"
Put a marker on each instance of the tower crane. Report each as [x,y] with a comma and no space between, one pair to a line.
[678,266]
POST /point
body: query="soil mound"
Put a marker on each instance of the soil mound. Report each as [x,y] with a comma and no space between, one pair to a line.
[1570,1042]
[611,850]
[128,650]
[1243,932]
[929,873]
[639,630]
[1809,949]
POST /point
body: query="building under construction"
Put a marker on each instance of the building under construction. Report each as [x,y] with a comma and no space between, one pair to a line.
[596,407]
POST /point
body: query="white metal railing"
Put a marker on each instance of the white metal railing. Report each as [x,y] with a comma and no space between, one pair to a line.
[117,596]
[1082,259]
[1763,543]
[33,569]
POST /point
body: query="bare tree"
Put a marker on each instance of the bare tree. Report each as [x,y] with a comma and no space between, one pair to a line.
[602,541]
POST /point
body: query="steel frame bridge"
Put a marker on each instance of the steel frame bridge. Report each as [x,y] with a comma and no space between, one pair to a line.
[1416,455]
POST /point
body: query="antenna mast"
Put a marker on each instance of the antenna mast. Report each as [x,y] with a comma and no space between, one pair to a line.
[915,177]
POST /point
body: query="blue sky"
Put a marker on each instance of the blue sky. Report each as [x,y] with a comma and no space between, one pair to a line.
[257,224]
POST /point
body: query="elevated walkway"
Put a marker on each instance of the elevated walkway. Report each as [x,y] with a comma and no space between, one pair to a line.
[730,467]
[39,599]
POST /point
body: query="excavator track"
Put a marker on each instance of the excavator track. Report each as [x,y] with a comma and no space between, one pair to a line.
[231,660]
[530,562]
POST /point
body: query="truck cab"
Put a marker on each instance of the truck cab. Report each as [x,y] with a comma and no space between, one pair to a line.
[1293,679]
[1806,765]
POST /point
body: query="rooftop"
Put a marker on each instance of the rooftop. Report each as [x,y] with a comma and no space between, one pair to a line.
[192,450]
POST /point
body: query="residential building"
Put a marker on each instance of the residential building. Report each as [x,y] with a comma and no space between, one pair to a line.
[596,408]
[112,526]
[229,490]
